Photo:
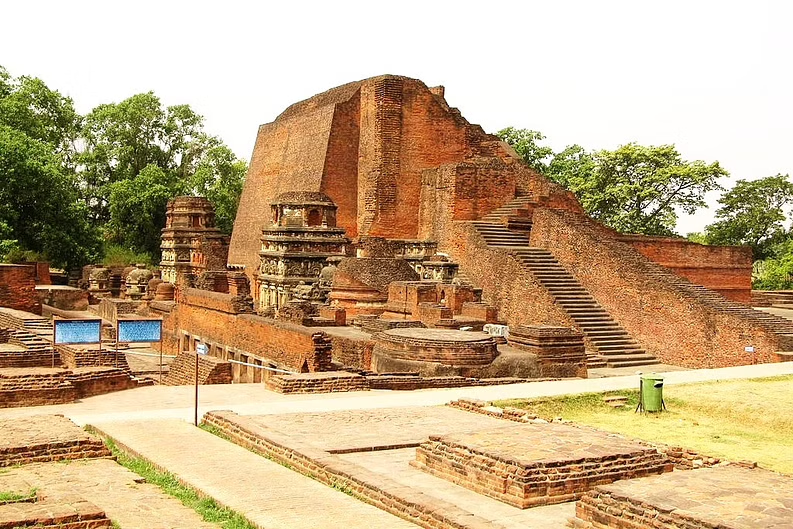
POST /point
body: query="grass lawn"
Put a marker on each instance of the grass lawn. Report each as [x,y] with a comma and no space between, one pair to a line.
[735,420]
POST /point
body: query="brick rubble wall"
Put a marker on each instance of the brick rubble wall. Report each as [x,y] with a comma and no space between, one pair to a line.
[182,371]
[18,288]
[724,269]
[671,324]
[290,346]
[504,282]
[328,382]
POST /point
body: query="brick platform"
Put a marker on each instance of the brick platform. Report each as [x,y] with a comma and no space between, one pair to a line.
[325,382]
[431,352]
[35,386]
[560,350]
[211,370]
[526,465]
[45,438]
[729,497]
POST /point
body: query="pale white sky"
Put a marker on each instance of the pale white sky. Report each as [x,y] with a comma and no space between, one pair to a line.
[712,77]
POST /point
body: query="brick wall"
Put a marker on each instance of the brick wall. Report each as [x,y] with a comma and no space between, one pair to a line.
[725,269]
[208,316]
[182,371]
[18,288]
[504,282]
[674,326]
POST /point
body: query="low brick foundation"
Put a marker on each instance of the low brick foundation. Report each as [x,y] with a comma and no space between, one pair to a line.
[723,497]
[325,382]
[527,465]
[35,387]
[46,438]
[560,350]
[55,514]
[327,468]
[211,370]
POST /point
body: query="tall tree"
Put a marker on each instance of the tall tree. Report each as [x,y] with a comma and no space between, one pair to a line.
[41,211]
[138,154]
[525,143]
[634,189]
[39,206]
[753,213]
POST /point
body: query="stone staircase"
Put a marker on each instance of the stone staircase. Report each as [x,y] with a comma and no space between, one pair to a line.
[610,344]
[509,209]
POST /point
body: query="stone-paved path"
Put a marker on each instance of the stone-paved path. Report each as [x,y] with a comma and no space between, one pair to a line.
[122,494]
[268,494]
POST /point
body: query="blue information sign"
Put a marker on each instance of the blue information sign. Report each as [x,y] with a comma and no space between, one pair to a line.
[130,331]
[77,331]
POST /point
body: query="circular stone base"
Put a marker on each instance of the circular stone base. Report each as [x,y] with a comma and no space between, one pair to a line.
[439,346]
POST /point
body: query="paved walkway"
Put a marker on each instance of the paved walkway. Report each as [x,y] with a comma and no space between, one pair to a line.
[157,402]
[123,496]
[268,494]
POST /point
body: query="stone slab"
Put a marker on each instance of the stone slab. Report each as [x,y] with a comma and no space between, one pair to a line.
[729,497]
[365,430]
[266,493]
[536,464]
[46,438]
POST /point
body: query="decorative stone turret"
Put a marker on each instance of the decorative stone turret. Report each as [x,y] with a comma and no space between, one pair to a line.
[99,282]
[191,244]
[137,281]
[295,248]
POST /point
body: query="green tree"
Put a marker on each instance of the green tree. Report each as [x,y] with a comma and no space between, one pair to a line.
[29,106]
[524,141]
[137,210]
[40,210]
[138,146]
[633,189]
[753,213]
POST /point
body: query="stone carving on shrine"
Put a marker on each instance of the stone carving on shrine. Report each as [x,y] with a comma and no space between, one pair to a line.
[99,282]
[137,281]
[295,249]
[191,244]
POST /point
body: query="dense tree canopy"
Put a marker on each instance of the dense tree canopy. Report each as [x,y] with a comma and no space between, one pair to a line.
[753,213]
[633,189]
[69,181]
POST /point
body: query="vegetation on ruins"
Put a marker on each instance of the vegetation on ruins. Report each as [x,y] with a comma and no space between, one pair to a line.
[207,507]
[74,186]
[720,419]
[633,189]
[637,189]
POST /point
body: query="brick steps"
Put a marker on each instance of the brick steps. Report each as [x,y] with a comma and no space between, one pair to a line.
[612,343]
[509,209]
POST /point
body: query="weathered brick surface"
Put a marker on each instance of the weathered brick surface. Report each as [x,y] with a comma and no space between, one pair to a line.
[18,288]
[753,498]
[46,438]
[182,371]
[724,269]
[527,465]
[327,382]
[670,323]
[208,316]
[328,468]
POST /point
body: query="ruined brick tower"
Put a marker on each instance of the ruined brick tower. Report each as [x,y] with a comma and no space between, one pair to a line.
[401,164]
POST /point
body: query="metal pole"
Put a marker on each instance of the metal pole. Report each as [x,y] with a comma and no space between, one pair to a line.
[196,387]
[160,360]
[53,341]
[117,343]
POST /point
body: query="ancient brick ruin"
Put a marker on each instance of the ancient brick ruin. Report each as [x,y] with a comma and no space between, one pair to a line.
[388,164]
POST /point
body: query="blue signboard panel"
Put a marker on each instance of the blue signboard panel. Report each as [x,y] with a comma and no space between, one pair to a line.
[77,331]
[139,331]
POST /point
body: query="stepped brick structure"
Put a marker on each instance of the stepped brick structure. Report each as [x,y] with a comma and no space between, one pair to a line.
[191,244]
[410,179]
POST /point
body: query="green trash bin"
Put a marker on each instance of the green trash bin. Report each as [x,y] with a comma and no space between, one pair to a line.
[652,393]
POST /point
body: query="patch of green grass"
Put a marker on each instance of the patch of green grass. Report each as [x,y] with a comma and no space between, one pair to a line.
[734,420]
[208,508]
[14,496]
